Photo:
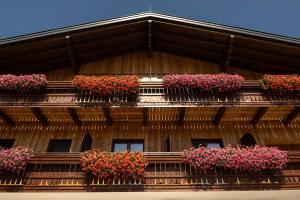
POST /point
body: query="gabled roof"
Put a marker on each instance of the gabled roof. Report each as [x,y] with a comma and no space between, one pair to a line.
[225,45]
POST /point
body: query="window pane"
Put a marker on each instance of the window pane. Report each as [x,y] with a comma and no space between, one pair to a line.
[135,147]
[120,147]
[59,145]
[214,145]
[7,143]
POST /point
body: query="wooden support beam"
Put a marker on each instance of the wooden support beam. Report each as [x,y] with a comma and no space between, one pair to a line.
[181,115]
[219,116]
[225,63]
[259,114]
[145,116]
[106,112]
[6,118]
[73,115]
[293,115]
[40,116]
[73,59]
[149,38]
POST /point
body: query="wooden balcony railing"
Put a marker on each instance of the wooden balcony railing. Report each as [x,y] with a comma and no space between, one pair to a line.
[53,172]
[61,94]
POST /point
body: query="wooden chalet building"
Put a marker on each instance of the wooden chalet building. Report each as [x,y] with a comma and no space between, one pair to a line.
[60,123]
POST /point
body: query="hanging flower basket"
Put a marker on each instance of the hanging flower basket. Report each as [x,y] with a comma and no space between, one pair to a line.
[122,166]
[24,84]
[107,85]
[207,83]
[247,159]
[282,84]
[14,160]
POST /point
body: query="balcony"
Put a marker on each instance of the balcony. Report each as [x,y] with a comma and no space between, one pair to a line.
[165,172]
[152,94]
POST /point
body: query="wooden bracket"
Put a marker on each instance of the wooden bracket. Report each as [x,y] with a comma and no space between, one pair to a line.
[6,118]
[259,114]
[225,63]
[106,112]
[219,116]
[181,115]
[149,38]
[39,115]
[293,115]
[145,116]
[74,116]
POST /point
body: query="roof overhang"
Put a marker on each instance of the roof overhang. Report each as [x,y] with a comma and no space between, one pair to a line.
[224,45]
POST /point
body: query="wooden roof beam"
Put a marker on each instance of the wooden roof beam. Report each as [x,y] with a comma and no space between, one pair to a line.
[181,115]
[6,118]
[149,38]
[259,114]
[40,116]
[107,115]
[73,115]
[219,116]
[145,112]
[293,115]
[225,63]
[73,59]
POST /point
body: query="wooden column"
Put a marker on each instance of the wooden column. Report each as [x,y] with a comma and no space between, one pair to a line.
[73,59]
[226,61]
[145,116]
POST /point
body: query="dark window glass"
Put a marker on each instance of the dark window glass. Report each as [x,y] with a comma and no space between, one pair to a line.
[248,140]
[86,143]
[59,145]
[7,143]
[212,143]
[128,145]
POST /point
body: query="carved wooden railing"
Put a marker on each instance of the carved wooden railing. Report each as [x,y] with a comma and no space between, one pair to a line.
[151,94]
[53,172]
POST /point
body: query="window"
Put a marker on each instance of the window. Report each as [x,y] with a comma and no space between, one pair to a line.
[59,145]
[212,143]
[248,140]
[7,143]
[86,143]
[130,145]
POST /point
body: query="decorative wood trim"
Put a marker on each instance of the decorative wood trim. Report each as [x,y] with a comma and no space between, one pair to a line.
[106,112]
[72,113]
[181,115]
[6,118]
[219,115]
[293,115]
[145,116]
[73,59]
[259,114]
[227,58]
[39,115]
[149,38]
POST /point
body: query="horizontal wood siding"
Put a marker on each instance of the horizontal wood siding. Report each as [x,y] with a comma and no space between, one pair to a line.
[139,63]
[154,135]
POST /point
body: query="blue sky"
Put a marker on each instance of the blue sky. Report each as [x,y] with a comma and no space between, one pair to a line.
[18,17]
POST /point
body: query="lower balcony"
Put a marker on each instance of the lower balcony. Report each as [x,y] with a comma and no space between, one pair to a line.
[165,172]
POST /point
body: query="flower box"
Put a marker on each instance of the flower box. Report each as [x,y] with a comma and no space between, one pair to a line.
[107,85]
[32,83]
[248,159]
[282,84]
[14,160]
[119,167]
[212,83]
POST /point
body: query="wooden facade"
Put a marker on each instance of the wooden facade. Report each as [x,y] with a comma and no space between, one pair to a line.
[150,46]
